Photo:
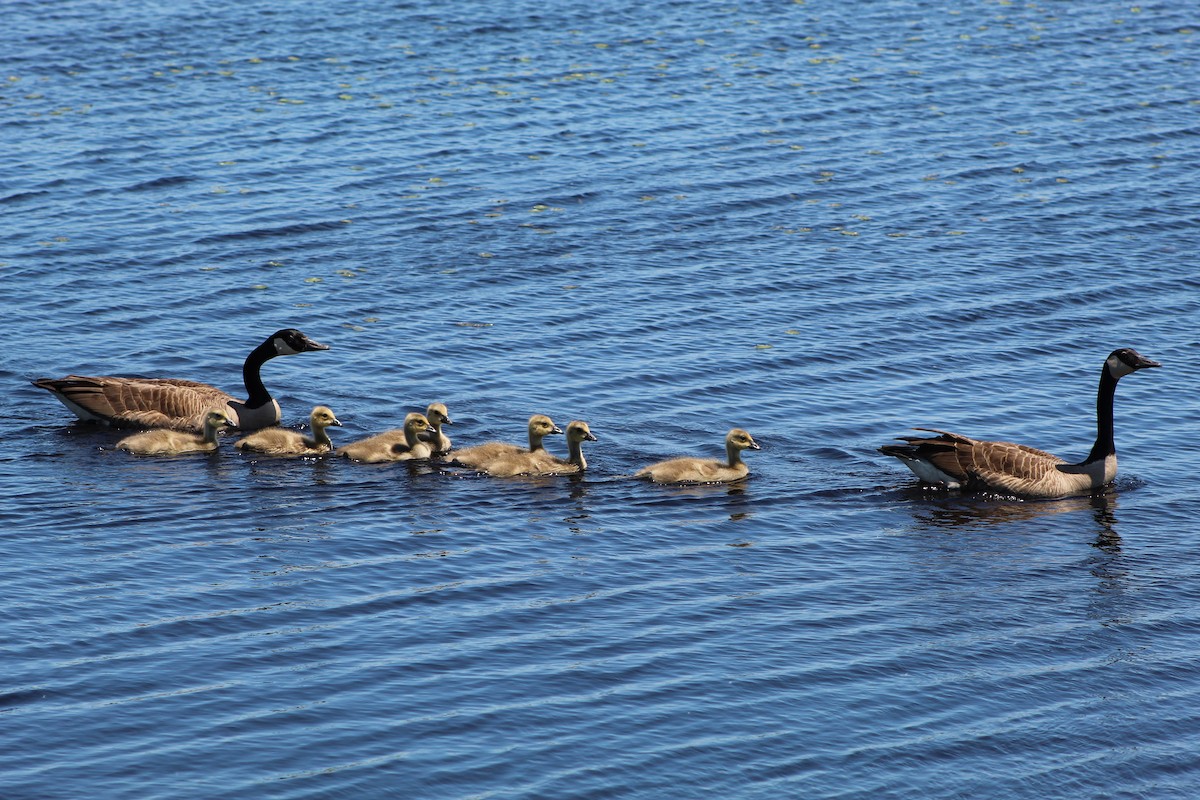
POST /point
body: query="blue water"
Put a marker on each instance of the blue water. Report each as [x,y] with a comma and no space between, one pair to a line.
[824,222]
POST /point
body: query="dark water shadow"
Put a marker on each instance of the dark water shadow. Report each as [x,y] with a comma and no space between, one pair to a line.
[960,512]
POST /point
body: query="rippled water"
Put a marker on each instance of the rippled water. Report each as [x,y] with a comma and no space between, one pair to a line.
[825,222]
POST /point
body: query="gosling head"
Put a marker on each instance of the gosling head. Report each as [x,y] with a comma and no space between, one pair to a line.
[741,440]
[578,431]
[438,414]
[322,417]
[1126,360]
[416,423]
[215,419]
[541,425]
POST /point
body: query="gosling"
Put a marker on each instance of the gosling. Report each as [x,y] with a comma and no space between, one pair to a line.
[438,415]
[540,462]
[705,470]
[395,445]
[168,442]
[284,442]
[482,455]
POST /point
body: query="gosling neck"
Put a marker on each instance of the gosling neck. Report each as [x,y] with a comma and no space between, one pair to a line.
[321,436]
[411,436]
[734,453]
[575,453]
[210,432]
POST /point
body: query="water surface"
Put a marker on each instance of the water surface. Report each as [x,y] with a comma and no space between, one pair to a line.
[824,222]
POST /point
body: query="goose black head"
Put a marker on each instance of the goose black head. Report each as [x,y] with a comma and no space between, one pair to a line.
[1125,360]
[290,341]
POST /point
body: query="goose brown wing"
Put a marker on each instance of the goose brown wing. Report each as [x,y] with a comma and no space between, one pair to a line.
[1002,465]
[999,465]
[1009,465]
[141,402]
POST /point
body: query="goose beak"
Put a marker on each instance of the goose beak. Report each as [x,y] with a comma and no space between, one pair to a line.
[310,344]
[1143,362]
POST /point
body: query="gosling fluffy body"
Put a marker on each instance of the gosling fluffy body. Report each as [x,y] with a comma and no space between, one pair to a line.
[396,445]
[284,442]
[705,470]
[169,442]
[541,462]
[481,456]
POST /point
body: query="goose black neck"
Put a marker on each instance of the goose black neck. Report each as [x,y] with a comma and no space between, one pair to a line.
[257,394]
[1104,417]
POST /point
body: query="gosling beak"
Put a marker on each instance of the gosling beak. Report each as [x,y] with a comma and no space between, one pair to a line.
[556,429]
[754,445]
[337,422]
[589,437]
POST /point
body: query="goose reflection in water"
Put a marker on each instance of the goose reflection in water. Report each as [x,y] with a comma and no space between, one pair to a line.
[967,513]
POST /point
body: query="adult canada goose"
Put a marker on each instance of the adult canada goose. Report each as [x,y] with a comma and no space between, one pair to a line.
[179,404]
[284,442]
[168,442]
[705,470]
[479,456]
[397,445]
[540,462]
[438,415]
[958,462]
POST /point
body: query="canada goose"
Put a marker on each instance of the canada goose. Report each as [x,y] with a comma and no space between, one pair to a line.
[705,470]
[179,404]
[479,456]
[396,445]
[284,442]
[438,415]
[958,462]
[540,462]
[168,442]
